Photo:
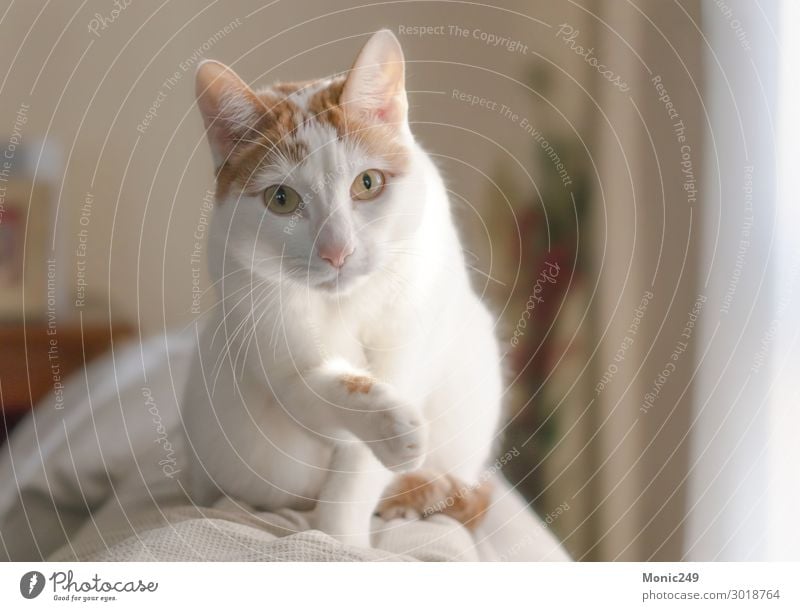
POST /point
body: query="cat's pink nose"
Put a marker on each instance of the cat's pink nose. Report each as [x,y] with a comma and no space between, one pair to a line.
[335,255]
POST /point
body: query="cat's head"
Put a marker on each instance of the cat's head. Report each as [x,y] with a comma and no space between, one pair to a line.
[315,180]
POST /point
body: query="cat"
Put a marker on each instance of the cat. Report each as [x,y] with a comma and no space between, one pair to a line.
[348,365]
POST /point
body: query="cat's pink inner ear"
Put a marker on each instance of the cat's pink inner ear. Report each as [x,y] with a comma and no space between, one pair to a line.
[375,87]
[229,107]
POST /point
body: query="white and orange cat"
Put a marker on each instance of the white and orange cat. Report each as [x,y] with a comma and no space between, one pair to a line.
[348,366]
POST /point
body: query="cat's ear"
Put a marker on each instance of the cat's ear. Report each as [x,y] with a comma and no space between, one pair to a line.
[229,107]
[375,87]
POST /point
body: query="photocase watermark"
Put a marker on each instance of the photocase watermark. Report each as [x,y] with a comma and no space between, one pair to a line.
[677,352]
[172,81]
[490,39]
[341,170]
[569,35]
[744,241]
[679,130]
[787,294]
[524,124]
[20,119]
[627,342]
[53,354]
[100,23]
[7,165]
[31,584]
[464,490]
[196,258]
[168,464]
[80,251]
[294,218]
[547,275]
[66,588]
[734,24]
[548,149]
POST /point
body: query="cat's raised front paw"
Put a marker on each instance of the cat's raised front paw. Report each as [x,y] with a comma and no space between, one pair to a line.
[400,438]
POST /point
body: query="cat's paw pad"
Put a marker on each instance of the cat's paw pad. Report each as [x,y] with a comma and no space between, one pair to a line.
[399,442]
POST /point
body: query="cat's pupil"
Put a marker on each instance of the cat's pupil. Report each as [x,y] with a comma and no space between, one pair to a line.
[280,196]
[367,181]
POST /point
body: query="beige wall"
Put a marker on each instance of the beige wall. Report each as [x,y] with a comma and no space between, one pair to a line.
[91,91]
[647,239]
[147,188]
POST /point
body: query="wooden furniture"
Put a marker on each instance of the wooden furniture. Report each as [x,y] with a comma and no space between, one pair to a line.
[35,358]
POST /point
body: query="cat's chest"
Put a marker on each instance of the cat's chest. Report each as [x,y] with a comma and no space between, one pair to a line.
[370,334]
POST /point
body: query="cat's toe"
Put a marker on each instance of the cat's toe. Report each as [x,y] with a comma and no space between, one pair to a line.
[400,445]
[398,512]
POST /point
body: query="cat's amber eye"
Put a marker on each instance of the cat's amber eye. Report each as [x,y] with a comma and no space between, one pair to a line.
[281,199]
[368,185]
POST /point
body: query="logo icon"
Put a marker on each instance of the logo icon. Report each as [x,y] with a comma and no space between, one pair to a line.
[31,584]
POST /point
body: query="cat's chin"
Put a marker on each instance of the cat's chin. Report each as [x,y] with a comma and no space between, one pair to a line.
[339,285]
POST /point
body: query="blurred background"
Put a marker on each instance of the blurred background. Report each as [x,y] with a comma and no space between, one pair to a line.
[617,170]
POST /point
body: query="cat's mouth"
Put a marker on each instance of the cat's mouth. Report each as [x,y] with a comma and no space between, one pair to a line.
[342,282]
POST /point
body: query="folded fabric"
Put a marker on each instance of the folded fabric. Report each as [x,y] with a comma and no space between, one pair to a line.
[100,480]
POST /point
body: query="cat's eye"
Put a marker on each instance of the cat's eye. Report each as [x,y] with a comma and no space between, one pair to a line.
[368,185]
[281,199]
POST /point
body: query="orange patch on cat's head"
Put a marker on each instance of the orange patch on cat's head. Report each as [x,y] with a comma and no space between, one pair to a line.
[275,134]
[367,108]
[270,137]
[377,138]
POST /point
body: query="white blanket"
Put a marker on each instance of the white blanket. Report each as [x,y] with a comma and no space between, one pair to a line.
[99,479]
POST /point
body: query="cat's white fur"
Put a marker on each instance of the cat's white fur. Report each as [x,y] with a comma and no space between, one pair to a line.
[268,415]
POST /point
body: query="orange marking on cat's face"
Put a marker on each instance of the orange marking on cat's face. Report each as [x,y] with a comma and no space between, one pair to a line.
[275,133]
[357,383]
[428,494]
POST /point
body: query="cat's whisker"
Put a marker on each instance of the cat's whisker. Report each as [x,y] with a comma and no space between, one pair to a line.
[224,294]
[272,295]
[232,309]
[265,294]
[274,335]
[267,307]
[211,307]
[264,304]
[485,275]
[397,282]
[226,346]
[253,286]
[278,315]
[472,267]
[238,270]
[427,256]
[227,351]
[229,337]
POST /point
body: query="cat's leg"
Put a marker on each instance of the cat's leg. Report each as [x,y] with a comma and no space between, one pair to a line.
[350,494]
[463,409]
[336,398]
